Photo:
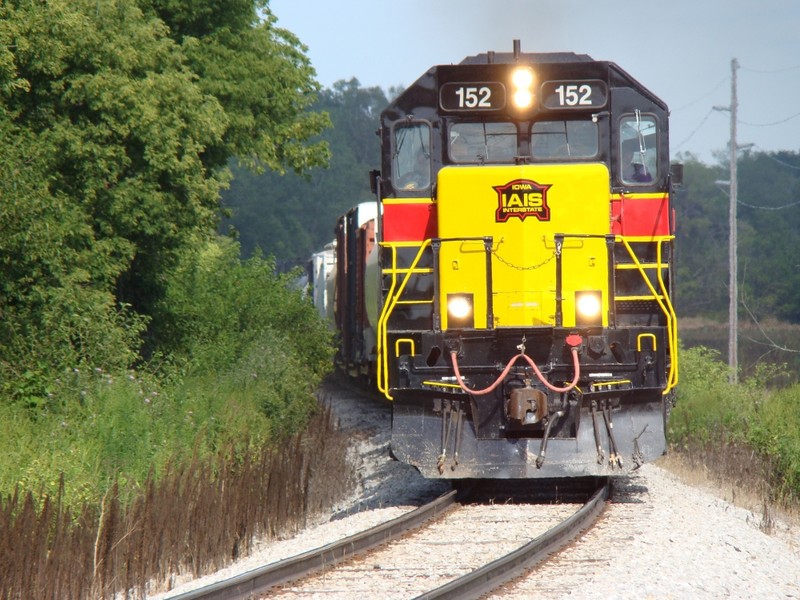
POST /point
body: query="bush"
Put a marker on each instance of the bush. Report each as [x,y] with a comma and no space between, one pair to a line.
[219,309]
[775,432]
[105,428]
[716,416]
[706,402]
[253,329]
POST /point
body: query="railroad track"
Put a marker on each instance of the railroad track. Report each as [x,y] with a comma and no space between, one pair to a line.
[518,536]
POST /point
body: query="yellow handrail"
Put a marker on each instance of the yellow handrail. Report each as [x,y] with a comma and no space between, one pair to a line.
[673,332]
[392,299]
[663,302]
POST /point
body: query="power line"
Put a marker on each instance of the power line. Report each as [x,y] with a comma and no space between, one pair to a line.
[769,207]
[770,156]
[770,124]
[749,124]
[696,129]
[704,96]
[771,71]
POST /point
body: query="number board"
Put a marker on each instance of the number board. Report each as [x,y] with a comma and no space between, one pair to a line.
[574,94]
[472,96]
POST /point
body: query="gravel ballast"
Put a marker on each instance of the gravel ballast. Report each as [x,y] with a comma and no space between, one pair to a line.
[660,538]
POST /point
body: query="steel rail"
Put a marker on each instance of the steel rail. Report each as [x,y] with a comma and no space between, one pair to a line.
[263,578]
[512,565]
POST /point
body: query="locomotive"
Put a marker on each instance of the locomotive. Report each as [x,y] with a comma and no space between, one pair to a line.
[509,290]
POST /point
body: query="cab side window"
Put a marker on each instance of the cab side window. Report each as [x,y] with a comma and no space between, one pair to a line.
[411,157]
[638,149]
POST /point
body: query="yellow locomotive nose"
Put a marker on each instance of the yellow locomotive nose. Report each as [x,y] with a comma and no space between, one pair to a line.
[523,208]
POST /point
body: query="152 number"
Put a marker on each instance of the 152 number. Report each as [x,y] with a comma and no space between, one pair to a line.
[474,97]
[574,94]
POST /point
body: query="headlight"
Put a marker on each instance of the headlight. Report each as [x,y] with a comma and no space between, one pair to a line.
[588,308]
[523,99]
[522,78]
[459,311]
[522,81]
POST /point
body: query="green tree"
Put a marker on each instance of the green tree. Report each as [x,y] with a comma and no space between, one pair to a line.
[260,75]
[53,312]
[107,127]
[769,234]
[117,129]
[292,216]
[768,227]
[701,244]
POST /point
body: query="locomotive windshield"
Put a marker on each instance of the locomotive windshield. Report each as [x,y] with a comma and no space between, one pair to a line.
[564,139]
[497,143]
[492,142]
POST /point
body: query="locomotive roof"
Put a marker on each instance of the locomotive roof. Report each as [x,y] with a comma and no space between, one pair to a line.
[490,57]
[424,92]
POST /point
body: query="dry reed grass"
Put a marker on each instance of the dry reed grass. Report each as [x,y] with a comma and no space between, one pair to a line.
[194,518]
[735,474]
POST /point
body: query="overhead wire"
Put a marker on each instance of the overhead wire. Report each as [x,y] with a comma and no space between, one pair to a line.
[696,129]
[770,156]
[742,122]
[770,71]
[768,207]
[769,124]
[704,96]
[692,103]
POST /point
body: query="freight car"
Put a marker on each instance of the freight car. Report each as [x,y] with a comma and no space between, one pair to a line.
[510,288]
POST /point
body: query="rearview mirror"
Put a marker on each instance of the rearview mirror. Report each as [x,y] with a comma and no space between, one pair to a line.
[676,174]
[374,177]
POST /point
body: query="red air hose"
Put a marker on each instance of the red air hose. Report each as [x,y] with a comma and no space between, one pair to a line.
[574,341]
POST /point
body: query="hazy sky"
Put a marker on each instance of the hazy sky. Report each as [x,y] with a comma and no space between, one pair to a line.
[680,49]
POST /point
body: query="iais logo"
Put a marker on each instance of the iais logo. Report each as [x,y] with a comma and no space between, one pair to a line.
[522,198]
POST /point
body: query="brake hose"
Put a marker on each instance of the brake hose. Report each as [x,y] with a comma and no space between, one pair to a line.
[574,341]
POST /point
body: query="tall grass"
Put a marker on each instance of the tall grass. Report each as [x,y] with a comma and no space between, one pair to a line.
[197,516]
[117,429]
[740,429]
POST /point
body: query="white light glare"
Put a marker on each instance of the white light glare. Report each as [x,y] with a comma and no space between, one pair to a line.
[459,307]
[523,98]
[589,305]
[522,78]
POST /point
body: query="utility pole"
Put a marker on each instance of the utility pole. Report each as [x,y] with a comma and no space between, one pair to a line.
[733,262]
[733,259]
